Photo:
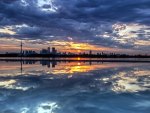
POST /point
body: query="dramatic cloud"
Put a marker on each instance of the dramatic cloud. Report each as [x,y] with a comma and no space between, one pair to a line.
[118,24]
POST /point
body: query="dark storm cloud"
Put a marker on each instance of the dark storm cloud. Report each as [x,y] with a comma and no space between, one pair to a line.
[80,19]
[8,1]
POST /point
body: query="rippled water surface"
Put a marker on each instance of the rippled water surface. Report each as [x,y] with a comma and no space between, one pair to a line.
[74,87]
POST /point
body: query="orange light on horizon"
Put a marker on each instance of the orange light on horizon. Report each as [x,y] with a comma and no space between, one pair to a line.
[13,44]
[79,58]
[78,51]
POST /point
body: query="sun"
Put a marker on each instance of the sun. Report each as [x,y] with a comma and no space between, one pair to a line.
[78,51]
[79,58]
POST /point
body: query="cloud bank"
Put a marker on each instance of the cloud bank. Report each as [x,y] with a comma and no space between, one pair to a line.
[117,24]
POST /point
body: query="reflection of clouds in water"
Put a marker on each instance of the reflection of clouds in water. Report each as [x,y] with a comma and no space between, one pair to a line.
[143,104]
[60,68]
[130,81]
[47,107]
[44,107]
[12,84]
[7,83]
[123,79]
[75,92]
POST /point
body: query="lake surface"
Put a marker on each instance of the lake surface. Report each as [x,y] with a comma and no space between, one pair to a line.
[74,87]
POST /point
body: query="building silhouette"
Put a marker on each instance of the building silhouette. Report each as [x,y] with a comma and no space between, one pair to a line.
[48,51]
[54,51]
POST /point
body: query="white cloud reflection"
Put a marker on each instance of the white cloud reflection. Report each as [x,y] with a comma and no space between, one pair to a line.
[130,81]
[47,107]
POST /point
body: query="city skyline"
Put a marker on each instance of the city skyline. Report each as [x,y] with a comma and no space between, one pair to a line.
[75,26]
[14,46]
[54,52]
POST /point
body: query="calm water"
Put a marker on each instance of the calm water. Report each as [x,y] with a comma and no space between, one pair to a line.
[74,87]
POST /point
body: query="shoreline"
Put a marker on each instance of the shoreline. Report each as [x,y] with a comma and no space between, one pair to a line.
[132,60]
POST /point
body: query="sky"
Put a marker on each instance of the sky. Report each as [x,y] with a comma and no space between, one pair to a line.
[121,26]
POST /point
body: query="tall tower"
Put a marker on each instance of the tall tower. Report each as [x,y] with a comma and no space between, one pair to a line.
[21,48]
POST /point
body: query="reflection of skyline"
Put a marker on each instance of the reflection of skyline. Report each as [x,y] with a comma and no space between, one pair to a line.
[40,87]
[56,67]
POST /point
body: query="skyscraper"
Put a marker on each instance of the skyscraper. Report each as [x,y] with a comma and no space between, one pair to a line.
[54,51]
[48,50]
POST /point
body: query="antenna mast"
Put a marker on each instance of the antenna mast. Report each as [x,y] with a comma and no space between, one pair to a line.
[21,48]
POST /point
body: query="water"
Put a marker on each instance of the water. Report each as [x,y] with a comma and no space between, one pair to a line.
[74,87]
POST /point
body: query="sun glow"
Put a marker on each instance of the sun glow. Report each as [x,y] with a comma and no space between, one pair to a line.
[78,58]
[7,30]
[13,45]
[77,47]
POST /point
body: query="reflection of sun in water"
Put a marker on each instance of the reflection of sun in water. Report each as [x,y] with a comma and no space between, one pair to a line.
[78,58]
[79,63]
